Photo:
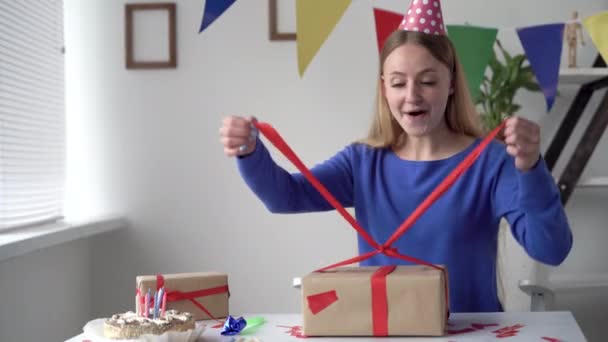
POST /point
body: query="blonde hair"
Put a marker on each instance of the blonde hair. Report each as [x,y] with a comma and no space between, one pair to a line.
[461,116]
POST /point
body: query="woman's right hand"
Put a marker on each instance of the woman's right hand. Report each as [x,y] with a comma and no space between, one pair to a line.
[238,135]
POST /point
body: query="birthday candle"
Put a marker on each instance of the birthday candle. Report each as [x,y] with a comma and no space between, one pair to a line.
[138,307]
[146,304]
[137,303]
[155,302]
[160,298]
[141,305]
[164,305]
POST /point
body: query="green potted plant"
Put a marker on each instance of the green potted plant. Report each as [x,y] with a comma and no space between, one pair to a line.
[499,90]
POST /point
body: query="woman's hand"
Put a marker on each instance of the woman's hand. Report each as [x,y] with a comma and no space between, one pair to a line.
[238,135]
[522,137]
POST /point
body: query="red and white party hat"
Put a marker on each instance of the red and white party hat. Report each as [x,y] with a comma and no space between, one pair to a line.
[424,16]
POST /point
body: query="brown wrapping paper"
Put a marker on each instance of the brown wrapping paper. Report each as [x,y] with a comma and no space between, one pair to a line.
[216,304]
[416,302]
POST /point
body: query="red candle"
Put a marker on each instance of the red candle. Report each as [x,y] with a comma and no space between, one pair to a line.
[141,305]
[146,303]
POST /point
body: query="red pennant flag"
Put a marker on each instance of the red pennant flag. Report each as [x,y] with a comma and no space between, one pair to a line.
[319,301]
[386,23]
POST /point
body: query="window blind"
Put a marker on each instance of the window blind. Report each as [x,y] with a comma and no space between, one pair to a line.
[32,112]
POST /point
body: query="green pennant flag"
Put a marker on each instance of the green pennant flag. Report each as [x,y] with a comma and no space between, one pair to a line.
[474,47]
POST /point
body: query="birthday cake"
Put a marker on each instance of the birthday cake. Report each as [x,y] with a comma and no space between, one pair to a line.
[129,325]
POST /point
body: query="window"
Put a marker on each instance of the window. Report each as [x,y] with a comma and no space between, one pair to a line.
[32,113]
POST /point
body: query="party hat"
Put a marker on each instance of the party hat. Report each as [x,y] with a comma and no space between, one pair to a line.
[424,16]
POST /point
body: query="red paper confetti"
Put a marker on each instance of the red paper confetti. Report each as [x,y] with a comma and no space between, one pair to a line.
[473,327]
[295,330]
[219,325]
[481,326]
[508,331]
[460,331]
[551,339]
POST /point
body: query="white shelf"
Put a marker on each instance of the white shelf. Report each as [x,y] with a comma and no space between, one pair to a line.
[581,75]
[566,283]
[584,283]
[593,182]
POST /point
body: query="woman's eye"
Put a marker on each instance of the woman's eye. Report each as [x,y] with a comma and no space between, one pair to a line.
[398,84]
[428,83]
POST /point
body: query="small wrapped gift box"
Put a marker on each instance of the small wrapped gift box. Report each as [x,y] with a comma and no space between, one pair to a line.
[203,294]
[375,301]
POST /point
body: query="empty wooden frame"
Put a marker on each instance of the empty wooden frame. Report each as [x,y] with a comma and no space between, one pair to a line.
[170,57]
[273,24]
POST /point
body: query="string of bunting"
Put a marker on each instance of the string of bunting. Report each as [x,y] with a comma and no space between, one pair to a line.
[542,44]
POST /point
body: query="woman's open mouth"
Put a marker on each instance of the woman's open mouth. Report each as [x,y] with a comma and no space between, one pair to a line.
[415,113]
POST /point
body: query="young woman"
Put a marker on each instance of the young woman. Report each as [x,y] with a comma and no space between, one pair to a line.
[424,126]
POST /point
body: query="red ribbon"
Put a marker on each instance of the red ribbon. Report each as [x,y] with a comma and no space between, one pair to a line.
[380,321]
[174,295]
[380,300]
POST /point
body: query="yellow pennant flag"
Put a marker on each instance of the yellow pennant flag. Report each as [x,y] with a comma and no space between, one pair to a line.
[597,26]
[315,19]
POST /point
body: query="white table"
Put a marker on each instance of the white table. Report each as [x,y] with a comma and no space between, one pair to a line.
[533,326]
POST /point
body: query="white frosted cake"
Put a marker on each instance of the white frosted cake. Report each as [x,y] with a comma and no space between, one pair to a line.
[129,325]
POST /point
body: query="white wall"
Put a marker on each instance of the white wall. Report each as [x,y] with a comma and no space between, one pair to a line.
[146,143]
[46,295]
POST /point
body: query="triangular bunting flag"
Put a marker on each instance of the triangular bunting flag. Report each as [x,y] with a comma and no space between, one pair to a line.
[543,47]
[474,46]
[386,23]
[597,26]
[315,19]
[213,10]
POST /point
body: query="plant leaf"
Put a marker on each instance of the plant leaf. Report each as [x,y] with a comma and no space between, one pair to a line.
[505,54]
[515,68]
[494,63]
[513,108]
[531,86]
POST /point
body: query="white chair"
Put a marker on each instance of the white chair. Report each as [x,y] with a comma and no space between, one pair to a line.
[521,280]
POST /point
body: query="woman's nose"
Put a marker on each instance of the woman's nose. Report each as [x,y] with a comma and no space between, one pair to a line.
[412,92]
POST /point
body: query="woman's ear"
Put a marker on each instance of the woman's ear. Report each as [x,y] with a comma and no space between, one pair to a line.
[382,86]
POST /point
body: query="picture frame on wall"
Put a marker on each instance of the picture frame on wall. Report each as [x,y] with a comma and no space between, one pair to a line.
[273,24]
[150,36]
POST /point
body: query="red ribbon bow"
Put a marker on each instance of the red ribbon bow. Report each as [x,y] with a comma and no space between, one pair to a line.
[379,301]
[174,295]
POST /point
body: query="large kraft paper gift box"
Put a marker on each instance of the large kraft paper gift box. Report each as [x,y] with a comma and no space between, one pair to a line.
[339,302]
[211,286]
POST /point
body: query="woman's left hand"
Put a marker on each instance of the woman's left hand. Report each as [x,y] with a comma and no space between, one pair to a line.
[522,137]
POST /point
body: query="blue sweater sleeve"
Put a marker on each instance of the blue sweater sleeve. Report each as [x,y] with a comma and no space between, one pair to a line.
[284,192]
[530,202]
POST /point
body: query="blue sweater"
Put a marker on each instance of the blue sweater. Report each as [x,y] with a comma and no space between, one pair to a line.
[459,230]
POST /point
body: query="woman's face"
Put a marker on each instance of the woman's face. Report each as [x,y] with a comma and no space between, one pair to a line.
[416,87]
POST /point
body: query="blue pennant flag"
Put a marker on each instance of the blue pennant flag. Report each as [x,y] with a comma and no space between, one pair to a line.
[213,10]
[543,47]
